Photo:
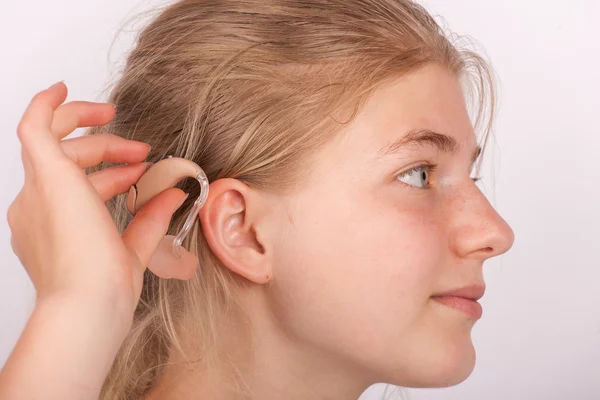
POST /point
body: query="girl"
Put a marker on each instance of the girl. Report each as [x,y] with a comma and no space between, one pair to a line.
[343,237]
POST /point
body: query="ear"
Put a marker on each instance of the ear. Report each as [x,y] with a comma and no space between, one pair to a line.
[231,224]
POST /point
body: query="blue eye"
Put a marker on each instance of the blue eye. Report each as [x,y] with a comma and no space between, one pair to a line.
[417,177]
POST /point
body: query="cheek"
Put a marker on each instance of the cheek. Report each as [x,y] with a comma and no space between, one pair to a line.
[363,270]
[403,248]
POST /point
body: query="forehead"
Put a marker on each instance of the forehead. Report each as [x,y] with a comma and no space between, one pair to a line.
[429,98]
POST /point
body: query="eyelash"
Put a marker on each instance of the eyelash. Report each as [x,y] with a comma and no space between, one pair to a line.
[430,169]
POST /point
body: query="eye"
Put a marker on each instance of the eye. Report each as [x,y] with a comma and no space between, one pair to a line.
[417,177]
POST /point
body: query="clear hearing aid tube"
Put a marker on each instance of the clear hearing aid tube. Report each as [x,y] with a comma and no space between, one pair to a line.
[198,204]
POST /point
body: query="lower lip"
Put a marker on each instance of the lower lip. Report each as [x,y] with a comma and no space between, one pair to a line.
[470,307]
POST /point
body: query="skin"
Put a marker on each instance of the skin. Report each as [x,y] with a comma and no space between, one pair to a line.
[354,258]
[341,274]
[87,276]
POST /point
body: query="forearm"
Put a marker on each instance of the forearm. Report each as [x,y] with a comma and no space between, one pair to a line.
[64,352]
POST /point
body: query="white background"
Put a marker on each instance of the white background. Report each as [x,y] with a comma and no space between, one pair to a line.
[540,335]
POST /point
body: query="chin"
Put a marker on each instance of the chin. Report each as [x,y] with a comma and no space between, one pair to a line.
[451,369]
[437,367]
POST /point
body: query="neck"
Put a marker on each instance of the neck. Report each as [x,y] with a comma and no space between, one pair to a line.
[258,360]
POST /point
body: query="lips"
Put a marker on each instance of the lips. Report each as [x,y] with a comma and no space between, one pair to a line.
[464,300]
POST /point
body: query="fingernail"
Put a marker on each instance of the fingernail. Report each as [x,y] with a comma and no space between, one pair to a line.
[182,201]
[140,143]
[56,84]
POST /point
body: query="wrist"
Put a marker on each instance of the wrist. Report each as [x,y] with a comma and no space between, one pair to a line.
[115,314]
[67,348]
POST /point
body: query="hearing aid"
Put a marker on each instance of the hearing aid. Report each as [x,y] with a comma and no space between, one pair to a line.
[160,176]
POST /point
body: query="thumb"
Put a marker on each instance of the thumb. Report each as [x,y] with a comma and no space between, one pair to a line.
[151,223]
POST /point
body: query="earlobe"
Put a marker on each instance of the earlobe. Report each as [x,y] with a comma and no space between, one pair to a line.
[231,229]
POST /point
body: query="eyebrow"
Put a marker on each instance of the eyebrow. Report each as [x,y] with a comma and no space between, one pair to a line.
[424,137]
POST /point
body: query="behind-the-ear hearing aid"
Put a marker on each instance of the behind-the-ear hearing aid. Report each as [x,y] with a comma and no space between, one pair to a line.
[160,176]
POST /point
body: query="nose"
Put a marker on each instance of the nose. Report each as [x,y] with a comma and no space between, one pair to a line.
[476,229]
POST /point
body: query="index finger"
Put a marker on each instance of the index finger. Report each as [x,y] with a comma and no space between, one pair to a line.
[34,129]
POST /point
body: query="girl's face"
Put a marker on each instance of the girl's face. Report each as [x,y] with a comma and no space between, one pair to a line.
[392,221]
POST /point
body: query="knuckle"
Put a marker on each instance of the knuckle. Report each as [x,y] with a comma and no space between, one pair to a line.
[25,126]
[13,245]
[104,140]
[108,141]
[11,216]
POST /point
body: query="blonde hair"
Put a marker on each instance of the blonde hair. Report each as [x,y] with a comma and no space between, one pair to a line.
[248,89]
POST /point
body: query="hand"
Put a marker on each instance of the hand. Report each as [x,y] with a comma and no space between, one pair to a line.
[87,276]
[62,231]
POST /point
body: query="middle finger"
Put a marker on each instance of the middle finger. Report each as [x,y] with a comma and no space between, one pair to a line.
[87,151]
